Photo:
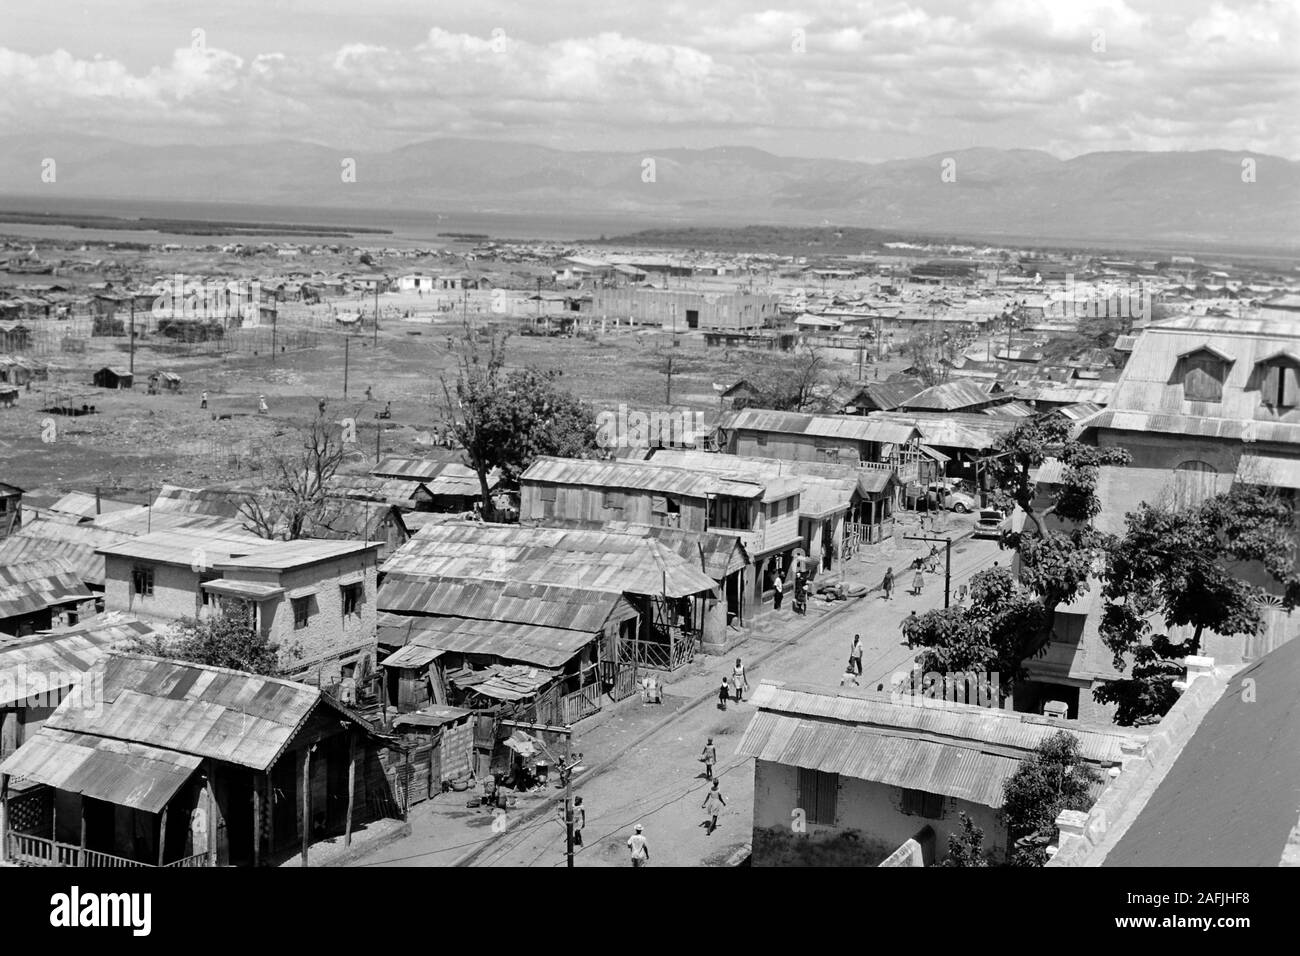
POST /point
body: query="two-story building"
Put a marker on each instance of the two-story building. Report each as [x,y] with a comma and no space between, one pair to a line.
[841,506]
[762,511]
[314,599]
[574,608]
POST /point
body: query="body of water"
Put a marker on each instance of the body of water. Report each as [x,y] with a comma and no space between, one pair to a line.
[407,227]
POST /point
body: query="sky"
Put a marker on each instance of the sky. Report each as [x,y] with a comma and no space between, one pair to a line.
[851,80]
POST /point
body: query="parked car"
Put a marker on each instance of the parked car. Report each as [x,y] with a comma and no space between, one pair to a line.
[989,524]
[952,499]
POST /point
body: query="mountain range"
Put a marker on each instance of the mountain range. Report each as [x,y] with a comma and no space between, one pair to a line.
[1212,196]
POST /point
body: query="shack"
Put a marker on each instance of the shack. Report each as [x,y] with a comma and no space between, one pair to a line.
[110,377]
[183,765]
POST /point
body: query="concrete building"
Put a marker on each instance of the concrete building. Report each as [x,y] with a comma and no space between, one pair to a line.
[685,310]
[315,599]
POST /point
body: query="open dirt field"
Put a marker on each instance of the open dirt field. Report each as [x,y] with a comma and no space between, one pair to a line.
[136,441]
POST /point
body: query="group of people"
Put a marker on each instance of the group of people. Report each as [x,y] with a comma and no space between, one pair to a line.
[800,592]
[734,686]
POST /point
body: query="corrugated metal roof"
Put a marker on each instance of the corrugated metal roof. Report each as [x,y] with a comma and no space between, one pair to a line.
[545,604]
[510,641]
[825,487]
[508,682]
[852,427]
[961,771]
[652,476]
[973,431]
[950,396]
[432,715]
[722,553]
[567,557]
[987,726]
[35,585]
[192,709]
[82,504]
[60,656]
[119,772]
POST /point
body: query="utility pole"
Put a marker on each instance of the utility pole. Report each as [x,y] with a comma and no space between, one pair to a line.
[376,345]
[274,323]
[347,342]
[131,368]
[947,562]
[568,795]
[379,433]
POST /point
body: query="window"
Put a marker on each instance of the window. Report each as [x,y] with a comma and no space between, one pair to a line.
[302,610]
[1279,388]
[817,795]
[612,499]
[352,596]
[1194,481]
[142,581]
[729,513]
[922,804]
[761,440]
[1203,375]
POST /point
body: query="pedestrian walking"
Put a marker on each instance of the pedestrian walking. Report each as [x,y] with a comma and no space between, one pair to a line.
[918,582]
[713,803]
[738,682]
[777,593]
[261,405]
[369,393]
[710,757]
[723,693]
[888,584]
[639,847]
[203,401]
[579,820]
[855,655]
[849,677]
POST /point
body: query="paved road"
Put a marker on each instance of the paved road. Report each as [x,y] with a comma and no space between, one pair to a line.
[660,784]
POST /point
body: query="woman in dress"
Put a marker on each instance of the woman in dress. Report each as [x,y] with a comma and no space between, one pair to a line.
[713,803]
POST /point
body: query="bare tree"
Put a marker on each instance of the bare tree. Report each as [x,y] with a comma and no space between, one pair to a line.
[295,498]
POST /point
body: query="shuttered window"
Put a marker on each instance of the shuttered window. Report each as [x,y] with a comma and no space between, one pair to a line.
[612,499]
[922,804]
[1203,377]
[547,492]
[818,793]
[1279,386]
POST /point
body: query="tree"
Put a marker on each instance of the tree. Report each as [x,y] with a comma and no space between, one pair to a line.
[294,498]
[787,383]
[932,355]
[1053,779]
[966,849]
[222,640]
[1184,566]
[991,637]
[506,419]
[1010,617]
[1056,563]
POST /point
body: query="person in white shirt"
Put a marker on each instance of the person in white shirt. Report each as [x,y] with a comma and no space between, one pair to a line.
[639,848]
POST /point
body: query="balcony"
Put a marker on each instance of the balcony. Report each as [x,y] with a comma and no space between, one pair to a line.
[26,849]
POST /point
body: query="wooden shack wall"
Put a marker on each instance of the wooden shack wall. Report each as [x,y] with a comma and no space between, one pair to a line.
[587,503]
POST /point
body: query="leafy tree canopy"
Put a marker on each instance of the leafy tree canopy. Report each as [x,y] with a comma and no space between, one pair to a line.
[218,641]
[1055,778]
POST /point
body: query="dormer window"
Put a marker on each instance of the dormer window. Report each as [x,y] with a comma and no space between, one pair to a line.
[1203,372]
[1278,385]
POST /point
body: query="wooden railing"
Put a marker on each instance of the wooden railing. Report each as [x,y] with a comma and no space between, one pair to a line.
[583,702]
[28,850]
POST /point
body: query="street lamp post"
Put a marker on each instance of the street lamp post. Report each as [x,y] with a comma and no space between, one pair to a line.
[947,562]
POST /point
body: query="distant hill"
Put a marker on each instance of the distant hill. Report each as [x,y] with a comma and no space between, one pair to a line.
[1115,196]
